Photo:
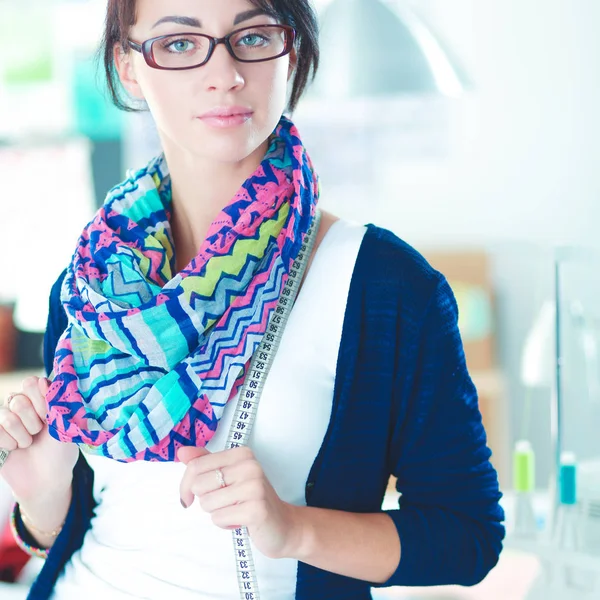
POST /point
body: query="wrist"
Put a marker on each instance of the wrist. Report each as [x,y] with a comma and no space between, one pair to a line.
[36,531]
[301,533]
[60,487]
[49,508]
[45,516]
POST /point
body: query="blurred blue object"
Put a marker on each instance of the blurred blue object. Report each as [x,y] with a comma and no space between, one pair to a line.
[94,114]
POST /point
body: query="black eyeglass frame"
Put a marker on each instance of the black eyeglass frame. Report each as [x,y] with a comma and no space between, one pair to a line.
[145,48]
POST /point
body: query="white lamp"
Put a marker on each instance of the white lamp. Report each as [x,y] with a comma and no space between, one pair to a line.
[370,49]
[537,359]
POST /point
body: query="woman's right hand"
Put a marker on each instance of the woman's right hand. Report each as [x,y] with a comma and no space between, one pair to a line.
[38,464]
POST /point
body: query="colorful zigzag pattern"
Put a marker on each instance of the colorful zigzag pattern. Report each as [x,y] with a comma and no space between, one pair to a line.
[150,357]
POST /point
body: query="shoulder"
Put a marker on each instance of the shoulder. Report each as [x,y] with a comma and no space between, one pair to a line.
[388,262]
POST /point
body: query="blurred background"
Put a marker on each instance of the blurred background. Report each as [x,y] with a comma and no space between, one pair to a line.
[470,128]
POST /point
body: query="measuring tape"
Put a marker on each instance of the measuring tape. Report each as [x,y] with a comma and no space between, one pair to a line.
[249,398]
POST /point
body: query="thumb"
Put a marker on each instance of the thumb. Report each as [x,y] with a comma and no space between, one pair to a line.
[39,400]
[43,386]
[187,453]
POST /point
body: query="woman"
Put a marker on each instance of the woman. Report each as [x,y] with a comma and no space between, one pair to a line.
[153,325]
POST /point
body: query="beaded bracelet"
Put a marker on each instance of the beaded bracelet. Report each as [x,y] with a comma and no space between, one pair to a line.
[21,543]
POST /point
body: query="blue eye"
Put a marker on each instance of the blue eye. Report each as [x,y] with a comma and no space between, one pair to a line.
[253,40]
[179,46]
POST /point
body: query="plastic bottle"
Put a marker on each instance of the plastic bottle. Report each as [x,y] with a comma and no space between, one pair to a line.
[524,485]
[568,529]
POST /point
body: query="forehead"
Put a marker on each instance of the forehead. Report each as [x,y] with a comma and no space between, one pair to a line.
[209,12]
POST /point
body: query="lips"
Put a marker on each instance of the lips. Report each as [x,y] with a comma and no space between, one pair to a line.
[226,111]
[226,117]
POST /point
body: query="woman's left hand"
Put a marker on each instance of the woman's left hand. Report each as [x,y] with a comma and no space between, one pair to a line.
[248,499]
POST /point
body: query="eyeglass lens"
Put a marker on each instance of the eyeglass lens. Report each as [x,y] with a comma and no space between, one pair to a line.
[188,50]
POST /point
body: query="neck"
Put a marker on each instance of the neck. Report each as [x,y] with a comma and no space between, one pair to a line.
[200,191]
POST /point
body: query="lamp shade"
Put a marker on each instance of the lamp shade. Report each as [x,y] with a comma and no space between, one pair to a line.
[371,50]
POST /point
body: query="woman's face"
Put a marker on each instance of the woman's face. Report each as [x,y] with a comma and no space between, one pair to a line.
[179,99]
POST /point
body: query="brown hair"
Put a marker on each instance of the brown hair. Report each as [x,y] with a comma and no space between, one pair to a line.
[121,16]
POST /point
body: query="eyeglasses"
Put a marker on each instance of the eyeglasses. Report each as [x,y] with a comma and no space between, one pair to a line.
[181,51]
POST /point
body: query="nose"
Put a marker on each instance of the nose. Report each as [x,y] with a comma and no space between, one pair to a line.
[221,72]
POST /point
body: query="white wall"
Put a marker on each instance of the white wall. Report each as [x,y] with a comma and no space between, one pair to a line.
[523,170]
[525,157]
[528,168]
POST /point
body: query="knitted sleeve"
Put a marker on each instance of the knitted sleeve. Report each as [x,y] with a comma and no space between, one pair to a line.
[449,519]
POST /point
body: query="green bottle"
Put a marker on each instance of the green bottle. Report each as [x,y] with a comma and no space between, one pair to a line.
[524,485]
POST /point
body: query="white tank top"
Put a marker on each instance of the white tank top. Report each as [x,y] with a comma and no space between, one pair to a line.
[143,544]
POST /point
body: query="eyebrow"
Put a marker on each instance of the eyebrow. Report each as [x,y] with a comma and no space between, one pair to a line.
[193,22]
[250,14]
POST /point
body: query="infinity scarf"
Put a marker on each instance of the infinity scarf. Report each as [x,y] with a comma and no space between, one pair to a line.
[149,359]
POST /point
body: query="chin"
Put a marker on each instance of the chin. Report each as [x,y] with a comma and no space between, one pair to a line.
[227,145]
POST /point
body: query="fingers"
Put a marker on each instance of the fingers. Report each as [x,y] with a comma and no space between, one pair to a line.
[24,418]
[186,454]
[13,433]
[193,485]
[231,495]
[200,475]
[32,388]
[238,513]
[218,460]
[43,386]
[22,406]
[208,482]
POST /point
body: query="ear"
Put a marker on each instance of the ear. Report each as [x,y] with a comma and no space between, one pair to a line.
[293,63]
[126,70]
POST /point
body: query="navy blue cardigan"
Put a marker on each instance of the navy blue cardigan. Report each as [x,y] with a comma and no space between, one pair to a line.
[404,404]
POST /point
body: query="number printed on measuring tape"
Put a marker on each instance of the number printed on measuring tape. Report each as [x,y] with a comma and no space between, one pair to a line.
[248,400]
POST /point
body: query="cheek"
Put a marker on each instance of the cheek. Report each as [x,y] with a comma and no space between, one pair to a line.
[165,95]
[273,86]
[281,78]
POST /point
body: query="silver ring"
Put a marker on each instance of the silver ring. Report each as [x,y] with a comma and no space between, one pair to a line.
[220,478]
[9,400]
